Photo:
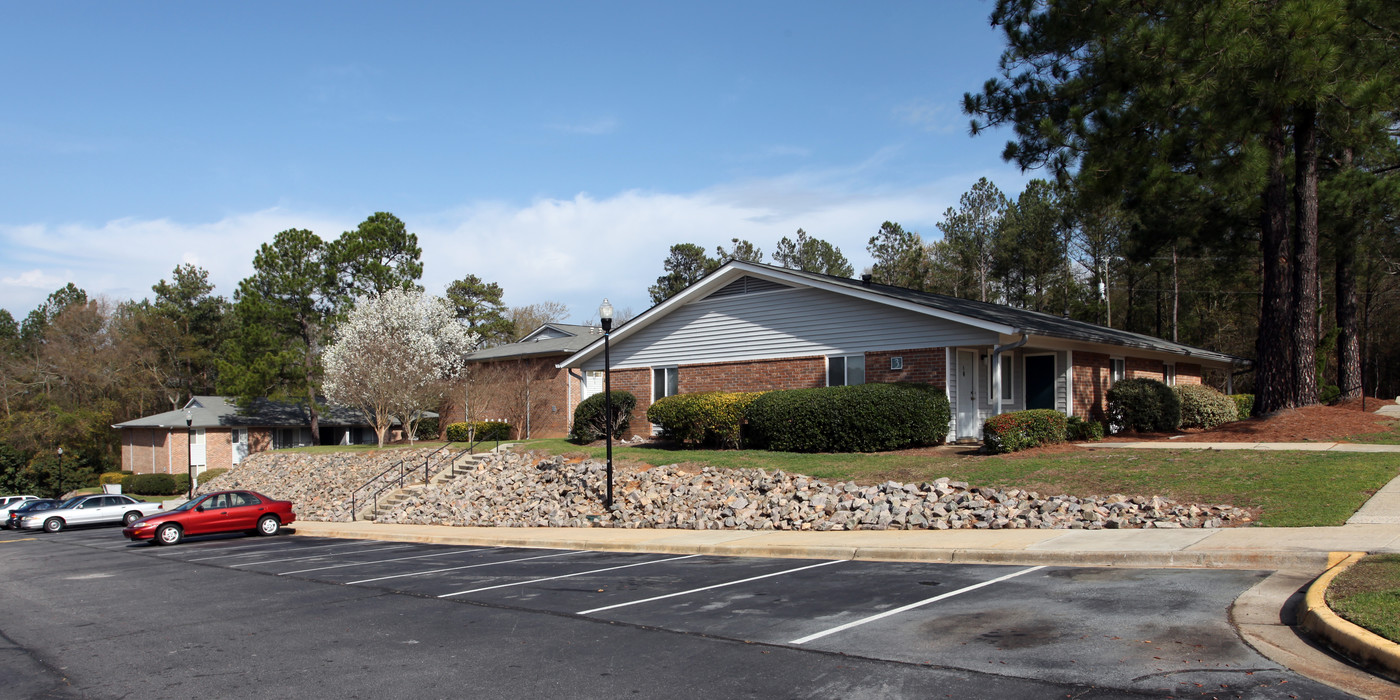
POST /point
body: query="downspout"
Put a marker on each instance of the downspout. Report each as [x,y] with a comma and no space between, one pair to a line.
[995,369]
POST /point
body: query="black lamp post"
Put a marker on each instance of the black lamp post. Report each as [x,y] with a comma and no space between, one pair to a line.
[60,472]
[189,450]
[605,316]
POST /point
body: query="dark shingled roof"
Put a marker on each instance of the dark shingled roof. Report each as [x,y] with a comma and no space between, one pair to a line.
[220,412]
[582,336]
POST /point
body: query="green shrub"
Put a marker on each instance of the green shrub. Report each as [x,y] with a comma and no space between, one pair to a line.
[589,420]
[485,430]
[1204,407]
[1328,393]
[182,484]
[150,484]
[111,478]
[1144,405]
[1079,430]
[426,429]
[1245,405]
[209,475]
[861,418]
[709,418]
[1022,430]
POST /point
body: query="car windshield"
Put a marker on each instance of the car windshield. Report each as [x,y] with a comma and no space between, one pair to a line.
[71,502]
[187,505]
[33,505]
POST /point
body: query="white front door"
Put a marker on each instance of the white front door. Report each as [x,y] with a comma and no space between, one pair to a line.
[967,395]
[592,383]
[197,447]
[240,444]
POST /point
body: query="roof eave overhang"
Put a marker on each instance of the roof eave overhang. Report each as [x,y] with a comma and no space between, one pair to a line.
[737,268]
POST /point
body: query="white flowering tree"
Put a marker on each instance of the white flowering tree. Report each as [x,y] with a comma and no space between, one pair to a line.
[394,356]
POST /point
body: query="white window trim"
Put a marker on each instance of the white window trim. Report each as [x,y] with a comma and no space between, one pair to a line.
[1169,373]
[1008,359]
[669,368]
[845,372]
[1111,379]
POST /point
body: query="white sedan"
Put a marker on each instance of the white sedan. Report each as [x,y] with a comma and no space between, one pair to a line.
[90,510]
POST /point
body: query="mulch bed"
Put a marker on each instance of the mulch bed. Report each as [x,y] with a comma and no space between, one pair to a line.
[1306,424]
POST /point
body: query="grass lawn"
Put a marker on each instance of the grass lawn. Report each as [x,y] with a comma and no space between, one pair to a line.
[1385,437]
[1291,489]
[1368,594]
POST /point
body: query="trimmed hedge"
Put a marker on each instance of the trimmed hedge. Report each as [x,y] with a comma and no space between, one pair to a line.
[209,475]
[1204,407]
[860,418]
[1079,430]
[485,430]
[708,418]
[1144,405]
[1022,430]
[1244,405]
[588,416]
[151,484]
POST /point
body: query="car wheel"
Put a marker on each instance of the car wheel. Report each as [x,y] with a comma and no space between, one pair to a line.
[131,517]
[268,525]
[53,524]
[169,534]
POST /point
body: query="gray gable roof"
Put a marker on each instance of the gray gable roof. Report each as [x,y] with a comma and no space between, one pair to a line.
[1003,319]
[580,338]
[221,412]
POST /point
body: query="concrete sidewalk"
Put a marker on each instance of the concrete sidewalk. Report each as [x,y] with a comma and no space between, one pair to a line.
[1303,548]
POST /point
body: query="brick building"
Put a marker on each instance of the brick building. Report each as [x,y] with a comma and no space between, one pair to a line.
[521,384]
[752,327]
[219,435]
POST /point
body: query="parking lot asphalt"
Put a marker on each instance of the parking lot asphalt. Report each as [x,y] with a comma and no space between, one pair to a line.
[1006,631]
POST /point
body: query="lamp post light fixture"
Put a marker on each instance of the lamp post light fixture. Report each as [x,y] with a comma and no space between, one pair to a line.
[189,450]
[605,317]
[60,472]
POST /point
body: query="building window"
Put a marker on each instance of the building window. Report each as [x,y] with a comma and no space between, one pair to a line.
[1007,374]
[665,381]
[1116,370]
[845,370]
[1169,374]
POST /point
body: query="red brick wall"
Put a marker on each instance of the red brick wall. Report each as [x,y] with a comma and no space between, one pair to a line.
[499,396]
[1091,378]
[753,375]
[638,383]
[1187,373]
[925,366]
[1139,368]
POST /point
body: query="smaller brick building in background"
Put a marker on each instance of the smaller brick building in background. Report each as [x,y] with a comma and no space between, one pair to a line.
[520,383]
[219,435]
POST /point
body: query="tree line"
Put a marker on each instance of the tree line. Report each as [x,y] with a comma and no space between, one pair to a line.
[76,364]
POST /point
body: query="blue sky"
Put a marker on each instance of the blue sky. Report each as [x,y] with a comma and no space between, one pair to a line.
[558,149]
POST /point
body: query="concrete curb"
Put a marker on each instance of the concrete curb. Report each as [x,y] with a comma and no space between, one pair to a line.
[1352,641]
[1252,559]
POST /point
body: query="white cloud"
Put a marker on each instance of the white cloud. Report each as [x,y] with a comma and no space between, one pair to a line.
[576,250]
[939,117]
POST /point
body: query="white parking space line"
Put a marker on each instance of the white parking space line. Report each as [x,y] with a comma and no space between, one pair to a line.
[321,556]
[707,588]
[263,550]
[385,561]
[468,566]
[911,606]
[555,578]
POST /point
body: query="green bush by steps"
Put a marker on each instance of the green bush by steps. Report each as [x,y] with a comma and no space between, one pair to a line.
[710,418]
[588,416]
[1204,407]
[861,418]
[1079,430]
[1144,405]
[485,430]
[1022,430]
[1244,404]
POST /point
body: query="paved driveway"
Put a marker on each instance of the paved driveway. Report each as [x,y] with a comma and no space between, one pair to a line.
[1145,632]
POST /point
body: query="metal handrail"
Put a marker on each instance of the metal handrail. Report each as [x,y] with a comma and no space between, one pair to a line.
[400,481]
[353,501]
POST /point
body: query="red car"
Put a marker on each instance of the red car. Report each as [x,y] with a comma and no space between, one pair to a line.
[221,511]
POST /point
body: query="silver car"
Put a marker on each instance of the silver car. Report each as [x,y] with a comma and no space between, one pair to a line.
[90,510]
